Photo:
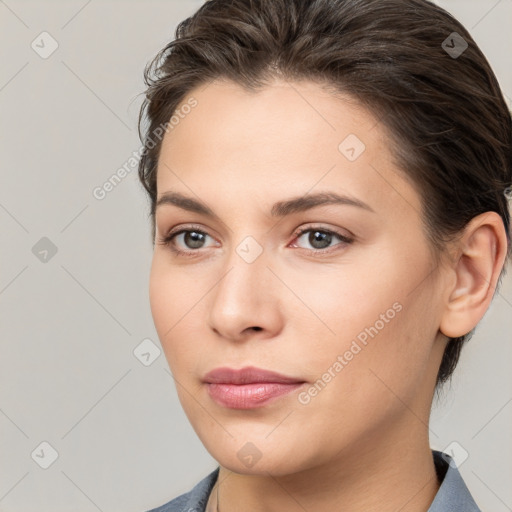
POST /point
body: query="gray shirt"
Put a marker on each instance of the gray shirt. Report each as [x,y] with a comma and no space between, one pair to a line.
[452,496]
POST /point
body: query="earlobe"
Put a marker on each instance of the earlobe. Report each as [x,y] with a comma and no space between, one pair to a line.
[481,253]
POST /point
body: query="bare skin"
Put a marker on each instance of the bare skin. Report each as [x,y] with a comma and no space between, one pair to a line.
[360,443]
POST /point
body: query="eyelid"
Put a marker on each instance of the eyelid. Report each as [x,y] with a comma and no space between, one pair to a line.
[171,234]
[184,227]
[344,240]
[345,236]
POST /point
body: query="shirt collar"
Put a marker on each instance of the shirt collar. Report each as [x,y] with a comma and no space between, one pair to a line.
[453,495]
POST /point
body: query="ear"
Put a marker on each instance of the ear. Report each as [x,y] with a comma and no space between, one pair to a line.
[480,254]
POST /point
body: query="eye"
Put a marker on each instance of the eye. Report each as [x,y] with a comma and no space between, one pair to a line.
[191,239]
[320,239]
[186,241]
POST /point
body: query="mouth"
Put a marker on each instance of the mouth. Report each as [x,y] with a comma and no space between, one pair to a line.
[248,387]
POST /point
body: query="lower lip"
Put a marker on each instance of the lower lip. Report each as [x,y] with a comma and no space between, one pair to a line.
[249,396]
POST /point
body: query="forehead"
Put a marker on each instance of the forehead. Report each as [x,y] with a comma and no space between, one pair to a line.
[296,117]
[287,136]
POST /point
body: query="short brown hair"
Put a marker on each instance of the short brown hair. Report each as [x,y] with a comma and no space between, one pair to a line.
[405,60]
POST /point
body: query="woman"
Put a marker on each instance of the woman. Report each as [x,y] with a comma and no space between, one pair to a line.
[328,183]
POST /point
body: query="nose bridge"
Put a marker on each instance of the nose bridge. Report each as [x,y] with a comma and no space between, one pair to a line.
[242,297]
[245,272]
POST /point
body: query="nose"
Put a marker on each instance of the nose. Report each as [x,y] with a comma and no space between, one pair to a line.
[246,300]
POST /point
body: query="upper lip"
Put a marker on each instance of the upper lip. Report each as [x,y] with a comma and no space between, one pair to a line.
[247,375]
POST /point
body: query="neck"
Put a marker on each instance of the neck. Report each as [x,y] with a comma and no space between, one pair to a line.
[383,475]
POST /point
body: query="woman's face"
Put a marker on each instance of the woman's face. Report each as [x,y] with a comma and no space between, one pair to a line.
[351,308]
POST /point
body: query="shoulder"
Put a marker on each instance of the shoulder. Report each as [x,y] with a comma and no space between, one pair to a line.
[194,500]
[453,495]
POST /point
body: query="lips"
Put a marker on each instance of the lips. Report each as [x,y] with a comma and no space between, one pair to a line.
[249,387]
[247,375]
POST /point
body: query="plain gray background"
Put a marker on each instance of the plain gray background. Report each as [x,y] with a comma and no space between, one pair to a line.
[72,319]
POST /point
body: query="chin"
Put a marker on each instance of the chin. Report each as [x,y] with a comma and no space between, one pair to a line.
[262,467]
[258,458]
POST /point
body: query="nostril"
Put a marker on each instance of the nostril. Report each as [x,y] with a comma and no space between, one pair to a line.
[256,328]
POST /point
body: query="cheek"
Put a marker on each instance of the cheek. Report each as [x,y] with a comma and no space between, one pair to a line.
[367,313]
[340,302]
[172,293]
[161,297]
[171,301]
[177,301]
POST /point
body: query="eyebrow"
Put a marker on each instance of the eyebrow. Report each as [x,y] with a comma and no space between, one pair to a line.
[279,209]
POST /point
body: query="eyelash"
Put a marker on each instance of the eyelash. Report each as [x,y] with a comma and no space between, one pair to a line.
[167,240]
